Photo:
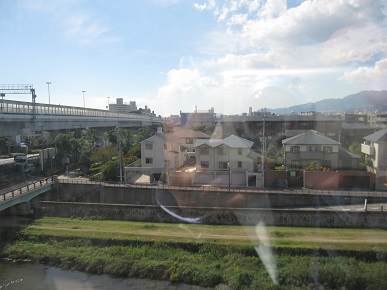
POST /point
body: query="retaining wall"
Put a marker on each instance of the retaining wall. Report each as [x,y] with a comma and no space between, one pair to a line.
[224,216]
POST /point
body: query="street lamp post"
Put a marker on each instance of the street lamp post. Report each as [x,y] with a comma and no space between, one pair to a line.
[48,87]
[229,176]
[263,151]
[52,173]
[83,92]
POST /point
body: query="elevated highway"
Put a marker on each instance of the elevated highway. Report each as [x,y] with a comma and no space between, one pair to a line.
[17,118]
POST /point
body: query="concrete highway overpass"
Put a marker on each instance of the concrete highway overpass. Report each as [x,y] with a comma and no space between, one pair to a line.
[21,118]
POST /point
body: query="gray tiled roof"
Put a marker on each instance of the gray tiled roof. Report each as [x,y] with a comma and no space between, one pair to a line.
[159,135]
[380,135]
[311,137]
[191,134]
[344,153]
[231,141]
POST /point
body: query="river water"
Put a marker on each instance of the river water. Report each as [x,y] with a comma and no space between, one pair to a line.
[21,276]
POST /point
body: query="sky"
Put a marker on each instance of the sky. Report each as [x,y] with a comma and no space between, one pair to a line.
[187,55]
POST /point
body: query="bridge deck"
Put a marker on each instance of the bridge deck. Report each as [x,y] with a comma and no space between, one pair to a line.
[23,192]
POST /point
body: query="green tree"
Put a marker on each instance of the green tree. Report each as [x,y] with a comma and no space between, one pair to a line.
[110,170]
[112,136]
[142,134]
[103,154]
[68,146]
[314,166]
[355,148]
[91,136]
[4,143]
[85,157]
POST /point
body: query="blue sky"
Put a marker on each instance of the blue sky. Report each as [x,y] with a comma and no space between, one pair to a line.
[175,55]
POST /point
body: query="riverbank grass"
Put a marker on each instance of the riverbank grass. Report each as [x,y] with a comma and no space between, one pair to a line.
[210,255]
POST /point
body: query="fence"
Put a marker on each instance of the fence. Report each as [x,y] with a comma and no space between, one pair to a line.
[354,193]
[25,189]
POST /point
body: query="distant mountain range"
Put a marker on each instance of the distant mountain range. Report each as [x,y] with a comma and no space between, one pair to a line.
[365,101]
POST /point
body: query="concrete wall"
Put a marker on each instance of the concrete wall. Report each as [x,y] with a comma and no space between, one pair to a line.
[199,198]
[216,216]
[332,180]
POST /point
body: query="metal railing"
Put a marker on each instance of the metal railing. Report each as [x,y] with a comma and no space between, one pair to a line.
[18,107]
[303,191]
[25,189]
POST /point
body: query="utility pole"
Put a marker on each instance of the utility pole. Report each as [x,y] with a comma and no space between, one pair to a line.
[263,150]
[83,92]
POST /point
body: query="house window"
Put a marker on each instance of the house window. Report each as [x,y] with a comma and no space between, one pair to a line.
[165,146]
[148,146]
[239,164]
[149,160]
[331,134]
[204,151]
[294,149]
[313,148]
[222,151]
[188,141]
[204,164]
[239,151]
[327,149]
[223,165]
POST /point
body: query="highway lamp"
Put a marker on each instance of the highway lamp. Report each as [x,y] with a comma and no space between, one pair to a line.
[83,93]
[263,150]
[48,87]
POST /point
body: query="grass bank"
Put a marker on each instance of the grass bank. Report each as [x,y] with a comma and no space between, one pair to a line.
[210,255]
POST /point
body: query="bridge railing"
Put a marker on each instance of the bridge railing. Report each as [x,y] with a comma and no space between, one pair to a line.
[303,191]
[18,107]
[25,189]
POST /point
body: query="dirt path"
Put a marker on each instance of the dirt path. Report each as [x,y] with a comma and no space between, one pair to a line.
[200,235]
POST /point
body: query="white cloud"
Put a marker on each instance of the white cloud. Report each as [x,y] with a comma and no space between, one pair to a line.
[373,77]
[358,43]
[86,28]
[79,24]
[291,55]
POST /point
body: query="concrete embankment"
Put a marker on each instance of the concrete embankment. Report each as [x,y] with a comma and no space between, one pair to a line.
[210,207]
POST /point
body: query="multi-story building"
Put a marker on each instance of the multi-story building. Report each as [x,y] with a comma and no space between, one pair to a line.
[197,118]
[120,107]
[375,149]
[378,120]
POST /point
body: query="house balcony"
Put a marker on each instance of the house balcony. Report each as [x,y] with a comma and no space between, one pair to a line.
[367,149]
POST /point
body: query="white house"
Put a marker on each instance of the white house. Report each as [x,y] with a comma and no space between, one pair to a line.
[375,149]
[179,149]
[152,162]
[225,161]
[161,153]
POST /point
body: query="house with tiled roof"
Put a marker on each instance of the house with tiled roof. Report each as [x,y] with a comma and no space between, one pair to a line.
[375,149]
[312,146]
[225,161]
[180,147]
